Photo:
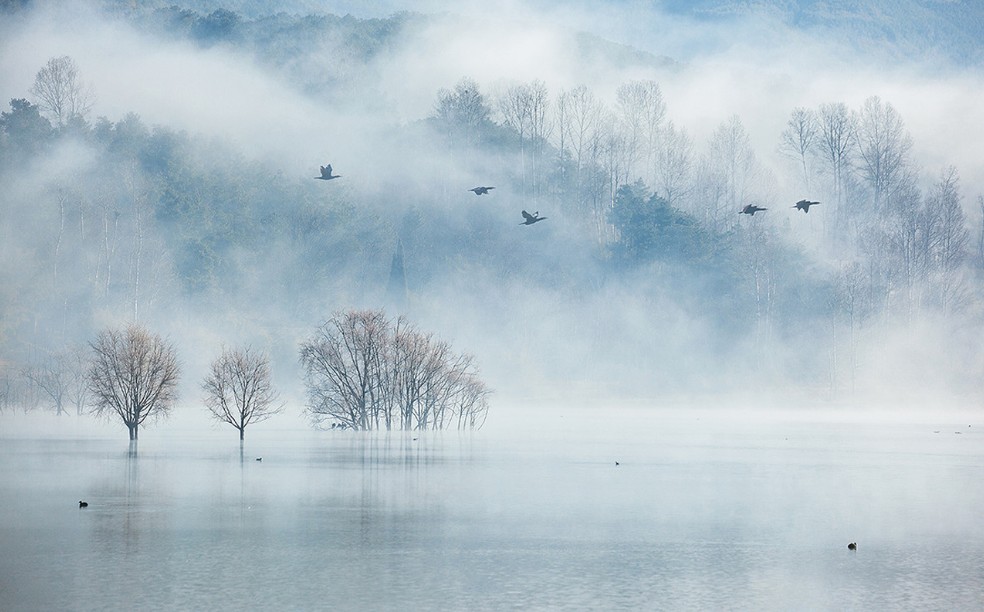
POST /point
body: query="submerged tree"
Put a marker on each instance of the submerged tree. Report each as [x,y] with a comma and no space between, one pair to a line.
[238,390]
[365,372]
[134,375]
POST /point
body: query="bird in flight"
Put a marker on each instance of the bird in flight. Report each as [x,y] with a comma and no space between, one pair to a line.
[326,174]
[531,219]
[804,205]
[481,190]
[751,209]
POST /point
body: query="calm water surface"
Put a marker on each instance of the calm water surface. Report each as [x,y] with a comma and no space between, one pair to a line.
[702,512]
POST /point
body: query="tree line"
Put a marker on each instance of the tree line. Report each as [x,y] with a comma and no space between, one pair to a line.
[159,220]
[362,371]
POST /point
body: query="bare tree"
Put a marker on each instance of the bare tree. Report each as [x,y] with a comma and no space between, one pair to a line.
[76,362]
[641,112]
[950,240]
[49,375]
[238,389]
[463,113]
[540,128]
[579,116]
[898,247]
[798,139]
[60,92]
[852,298]
[980,233]
[524,109]
[883,146]
[59,376]
[133,375]
[673,163]
[835,141]
[7,385]
[731,155]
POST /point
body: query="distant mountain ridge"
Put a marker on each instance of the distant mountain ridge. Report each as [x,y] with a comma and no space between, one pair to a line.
[905,29]
[897,29]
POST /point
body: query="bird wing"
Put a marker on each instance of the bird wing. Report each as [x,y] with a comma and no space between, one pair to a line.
[327,169]
[528,216]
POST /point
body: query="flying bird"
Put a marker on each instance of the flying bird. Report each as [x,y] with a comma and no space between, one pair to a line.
[481,190]
[805,205]
[751,209]
[531,219]
[326,174]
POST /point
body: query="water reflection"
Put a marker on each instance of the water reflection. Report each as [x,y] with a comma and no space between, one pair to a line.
[715,516]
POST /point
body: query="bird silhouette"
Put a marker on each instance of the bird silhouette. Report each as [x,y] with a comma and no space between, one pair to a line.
[751,209]
[83,504]
[852,546]
[481,190]
[804,205]
[326,174]
[531,219]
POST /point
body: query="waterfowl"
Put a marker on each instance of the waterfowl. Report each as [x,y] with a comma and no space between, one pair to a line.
[326,174]
[751,209]
[481,190]
[852,546]
[83,504]
[531,219]
[805,205]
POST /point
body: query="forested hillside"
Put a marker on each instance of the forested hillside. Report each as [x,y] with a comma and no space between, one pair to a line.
[644,277]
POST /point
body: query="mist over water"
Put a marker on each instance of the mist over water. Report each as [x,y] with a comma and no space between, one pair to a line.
[699,417]
[703,511]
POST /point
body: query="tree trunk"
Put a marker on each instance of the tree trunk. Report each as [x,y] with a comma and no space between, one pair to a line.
[133,432]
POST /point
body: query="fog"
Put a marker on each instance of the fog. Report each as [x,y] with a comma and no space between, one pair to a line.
[562,325]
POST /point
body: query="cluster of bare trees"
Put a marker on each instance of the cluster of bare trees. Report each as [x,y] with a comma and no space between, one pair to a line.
[913,246]
[580,150]
[362,371]
[366,372]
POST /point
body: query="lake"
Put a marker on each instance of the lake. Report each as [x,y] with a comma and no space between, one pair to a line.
[706,509]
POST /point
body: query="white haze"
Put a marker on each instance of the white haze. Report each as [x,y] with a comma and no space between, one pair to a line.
[756,69]
[759,70]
